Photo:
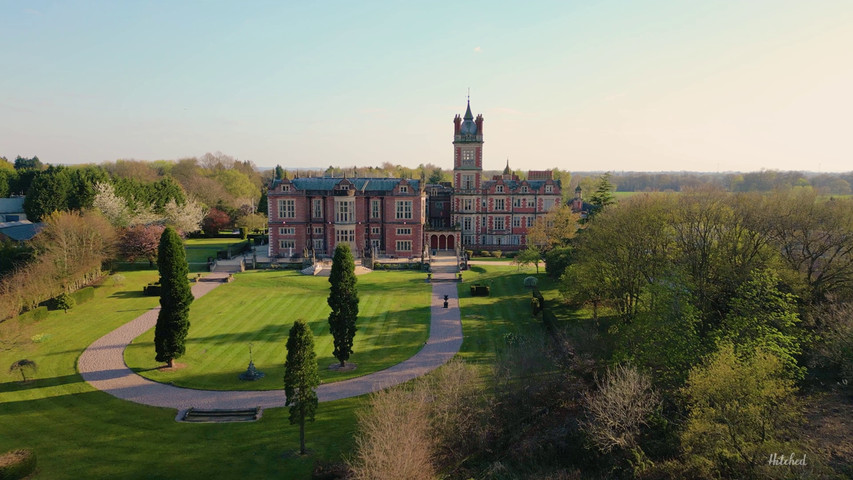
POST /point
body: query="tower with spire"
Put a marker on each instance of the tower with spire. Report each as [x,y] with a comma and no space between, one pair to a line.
[467,150]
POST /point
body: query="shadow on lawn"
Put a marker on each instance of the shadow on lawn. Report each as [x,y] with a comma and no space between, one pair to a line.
[18,385]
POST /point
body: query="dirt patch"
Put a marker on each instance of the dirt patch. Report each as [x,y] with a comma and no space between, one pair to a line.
[346,368]
[177,366]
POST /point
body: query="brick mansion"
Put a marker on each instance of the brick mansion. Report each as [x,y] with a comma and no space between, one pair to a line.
[404,217]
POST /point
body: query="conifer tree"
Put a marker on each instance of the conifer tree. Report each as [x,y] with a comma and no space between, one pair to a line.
[301,378]
[175,297]
[343,298]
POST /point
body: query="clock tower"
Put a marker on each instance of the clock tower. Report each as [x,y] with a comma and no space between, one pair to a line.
[467,151]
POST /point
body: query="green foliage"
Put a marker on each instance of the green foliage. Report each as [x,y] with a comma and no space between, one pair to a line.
[301,378]
[175,297]
[279,172]
[497,253]
[17,464]
[603,195]
[83,295]
[763,317]
[82,185]
[34,315]
[739,411]
[343,299]
[663,338]
[22,163]
[557,259]
[64,302]
[48,193]
[263,203]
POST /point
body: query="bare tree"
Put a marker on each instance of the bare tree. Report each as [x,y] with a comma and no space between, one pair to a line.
[393,441]
[619,408]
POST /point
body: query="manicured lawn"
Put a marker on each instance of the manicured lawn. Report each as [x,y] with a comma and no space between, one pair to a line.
[261,306]
[78,432]
[199,249]
[486,320]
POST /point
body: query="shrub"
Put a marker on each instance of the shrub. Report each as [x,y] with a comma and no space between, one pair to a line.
[244,233]
[17,464]
[63,302]
[34,315]
[485,253]
[469,253]
[151,290]
[497,253]
[83,295]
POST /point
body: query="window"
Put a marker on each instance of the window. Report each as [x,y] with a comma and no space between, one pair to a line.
[404,231]
[285,188]
[404,209]
[287,230]
[499,189]
[404,245]
[516,222]
[529,221]
[484,222]
[404,189]
[524,189]
[318,244]
[374,208]
[345,235]
[317,207]
[468,205]
[286,244]
[467,158]
[466,224]
[548,204]
[375,243]
[467,182]
[549,189]
[318,230]
[345,211]
[375,230]
[287,209]
[499,223]
[516,202]
[344,187]
[499,204]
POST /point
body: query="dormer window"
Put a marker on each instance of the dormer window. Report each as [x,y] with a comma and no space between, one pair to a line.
[524,189]
[404,189]
[285,188]
[499,189]
[344,187]
[549,189]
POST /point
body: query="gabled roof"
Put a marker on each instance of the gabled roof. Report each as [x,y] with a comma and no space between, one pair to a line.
[20,231]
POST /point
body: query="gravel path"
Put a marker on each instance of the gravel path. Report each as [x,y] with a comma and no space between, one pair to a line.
[102,363]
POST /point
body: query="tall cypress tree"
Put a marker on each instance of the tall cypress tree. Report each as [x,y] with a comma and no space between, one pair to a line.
[175,297]
[343,298]
[301,378]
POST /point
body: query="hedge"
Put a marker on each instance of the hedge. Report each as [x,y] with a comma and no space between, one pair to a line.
[17,464]
[34,315]
[83,295]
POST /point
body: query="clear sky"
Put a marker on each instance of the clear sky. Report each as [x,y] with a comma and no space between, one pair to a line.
[580,85]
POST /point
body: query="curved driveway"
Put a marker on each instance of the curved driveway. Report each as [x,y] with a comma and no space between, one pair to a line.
[102,363]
